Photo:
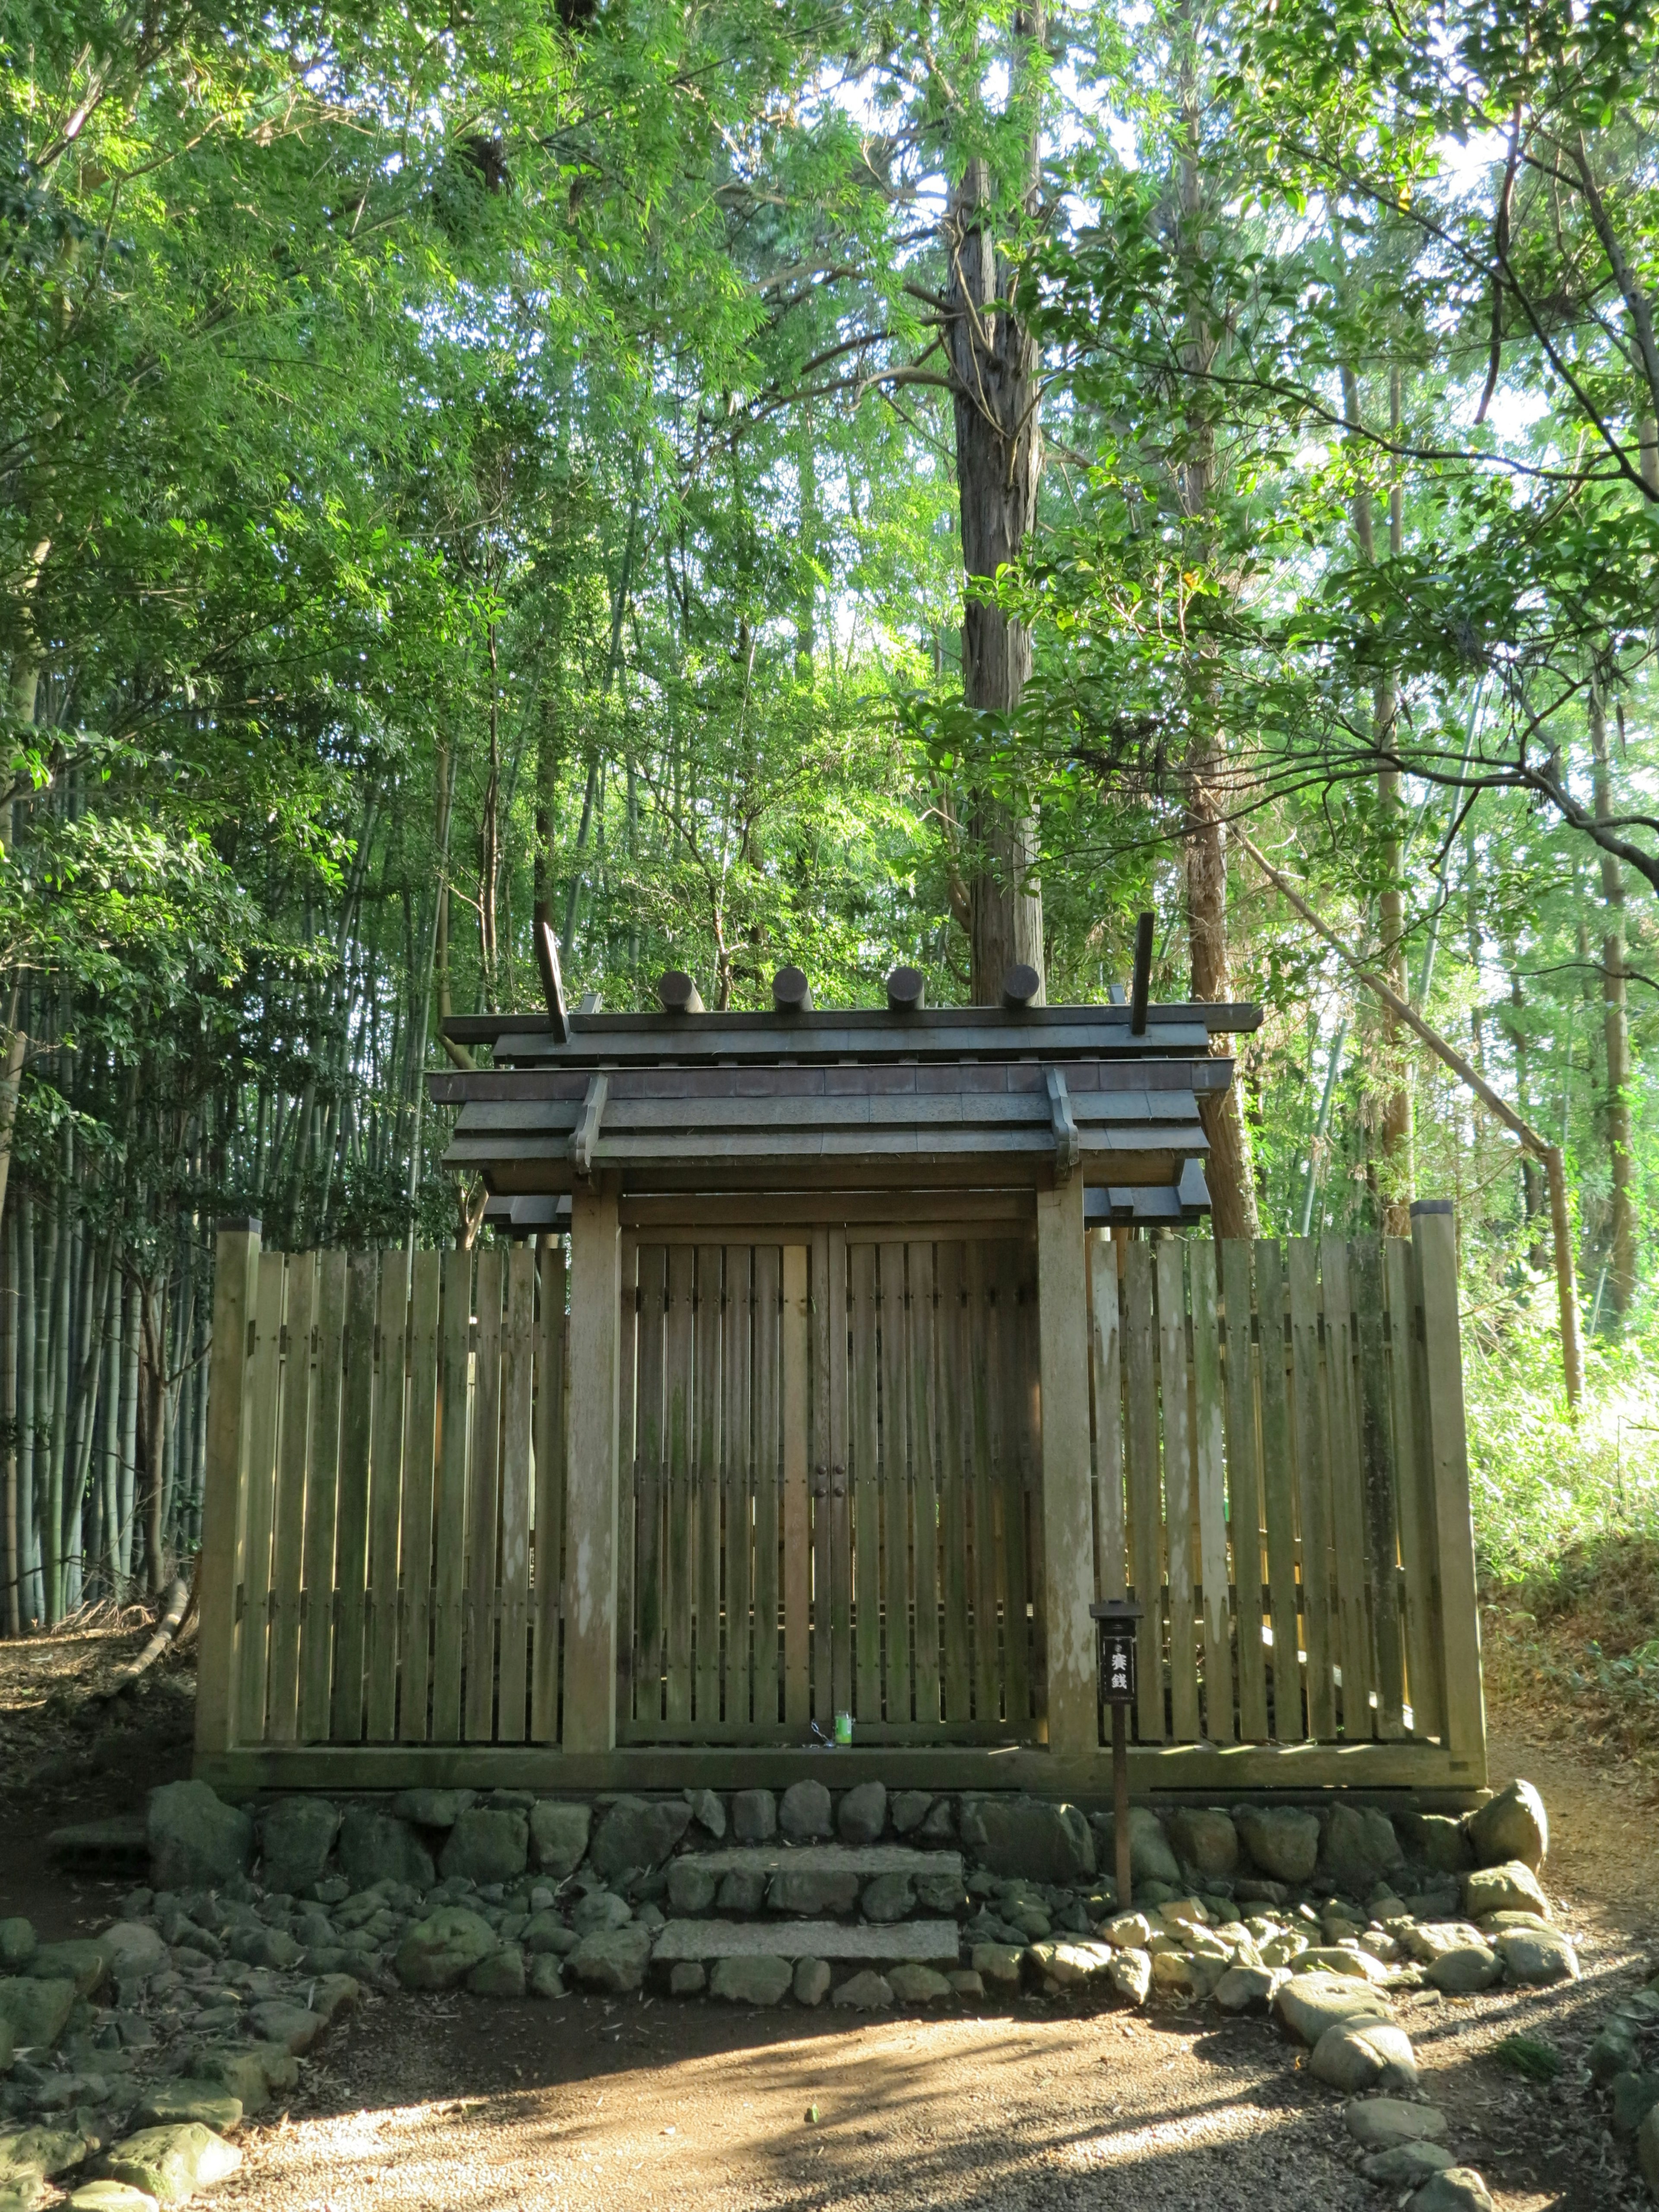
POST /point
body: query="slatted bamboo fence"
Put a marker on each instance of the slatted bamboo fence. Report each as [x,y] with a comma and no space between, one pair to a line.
[828,1488]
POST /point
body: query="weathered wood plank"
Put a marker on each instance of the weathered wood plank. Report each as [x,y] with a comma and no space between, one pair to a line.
[1028,1436]
[627,1327]
[737,1455]
[1177,1488]
[1209,1461]
[678,1562]
[1111,1561]
[921,1360]
[1244,1489]
[1073,1667]
[484,1504]
[288,1534]
[351,1544]
[864,1471]
[1434,1239]
[591,1473]
[1290,1723]
[414,1694]
[765,1397]
[259,1503]
[822,1478]
[386,1497]
[1313,1488]
[794,1448]
[955,1464]
[1145,1494]
[546,1635]
[649,1484]
[841,1498]
[1380,1482]
[518,1382]
[705,1465]
[235,1292]
[895,1482]
[317,1623]
[1346,1495]
[449,1510]
[1423,1685]
[1020,1496]
[980,1316]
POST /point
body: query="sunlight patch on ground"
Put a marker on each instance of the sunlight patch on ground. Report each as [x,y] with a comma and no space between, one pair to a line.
[1186,2132]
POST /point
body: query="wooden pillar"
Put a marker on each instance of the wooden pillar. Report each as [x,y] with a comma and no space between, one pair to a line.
[1434,1240]
[236,1272]
[1068,1539]
[590,1595]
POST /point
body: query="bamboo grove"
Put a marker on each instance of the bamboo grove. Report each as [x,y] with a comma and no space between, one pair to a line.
[813,484]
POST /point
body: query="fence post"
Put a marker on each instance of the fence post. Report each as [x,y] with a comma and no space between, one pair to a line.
[590,1602]
[235,1270]
[1068,1539]
[1434,1238]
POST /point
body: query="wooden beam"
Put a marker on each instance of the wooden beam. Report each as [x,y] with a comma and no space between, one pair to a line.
[1308,1771]
[1068,1541]
[1062,1123]
[590,1602]
[1435,1243]
[586,1141]
[235,1272]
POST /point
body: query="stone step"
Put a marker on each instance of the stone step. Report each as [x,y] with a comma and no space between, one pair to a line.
[117,1846]
[861,1859]
[923,1940]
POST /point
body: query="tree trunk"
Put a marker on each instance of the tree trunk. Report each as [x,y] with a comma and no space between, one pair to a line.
[995,370]
[8,1350]
[1621,1258]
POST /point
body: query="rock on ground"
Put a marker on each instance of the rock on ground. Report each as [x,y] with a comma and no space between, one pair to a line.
[1034,1837]
[1535,1956]
[1647,2149]
[916,1985]
[1206,1839]
[760,1978]
[1458,2189]
[909,1808]
[1381,2123]
[174,2164]
[686,1978]
[107,2196]
[132,1950]
[1407,2166]
[174,2104]
[374,1847]
[440,1951]
[1511,1887]
[1355,2056]
[708,1811]
[862,1814]
[867,1991]
[636,1834]
[1281,1841]
[1464,1969]
[1247,1988]
[295,1838]
[691,1888]
[17,1943]
[500,1975]
[558,1837]
[36,2011]
[1358,1848]
[1310,2004]
[486,1846]
[1130,1974]
[890,1897]
[195,1840]
[1151,1858]
[1513,1824]
[433,1809]
[812,1982]
[805,1814]
[810,1893]
[613,1960]
[998,1963]
[754,1816]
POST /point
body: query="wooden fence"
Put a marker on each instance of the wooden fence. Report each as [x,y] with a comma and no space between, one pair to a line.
[828,1497]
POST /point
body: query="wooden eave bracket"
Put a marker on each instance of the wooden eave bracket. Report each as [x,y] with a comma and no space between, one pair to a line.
[1067,1145]
[585,1143]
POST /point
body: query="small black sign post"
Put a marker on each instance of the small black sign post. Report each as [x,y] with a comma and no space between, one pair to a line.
[1118,1618]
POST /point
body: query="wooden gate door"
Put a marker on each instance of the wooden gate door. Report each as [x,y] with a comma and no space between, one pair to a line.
[834,1446]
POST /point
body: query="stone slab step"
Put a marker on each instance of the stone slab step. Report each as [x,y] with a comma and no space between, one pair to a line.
[861,1859]
[116,1846]
[921,1940]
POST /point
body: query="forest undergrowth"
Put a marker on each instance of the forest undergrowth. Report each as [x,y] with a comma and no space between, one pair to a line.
[1566,1519]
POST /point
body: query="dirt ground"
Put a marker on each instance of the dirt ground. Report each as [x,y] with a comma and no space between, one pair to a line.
[431,2103]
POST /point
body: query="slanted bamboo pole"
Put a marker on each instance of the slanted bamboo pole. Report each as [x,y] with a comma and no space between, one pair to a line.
[1566,1285]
